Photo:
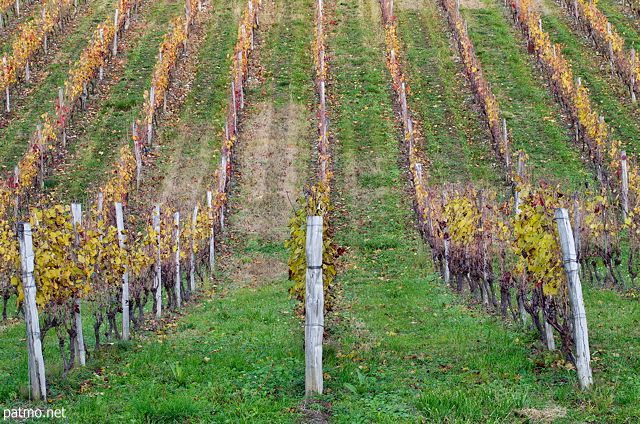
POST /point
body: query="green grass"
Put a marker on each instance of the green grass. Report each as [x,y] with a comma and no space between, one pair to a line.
[534,121]
[607,93]
[42,92]
[456,141]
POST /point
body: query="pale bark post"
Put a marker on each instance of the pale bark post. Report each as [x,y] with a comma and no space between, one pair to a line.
[6,89]
[177,290]
[235,110]
[446,273]
[519,179]
[610,45]
[152,102]
[577,222]
[482,200]
[41,152]
[125,277]
[64,126]
[506,152]
[37,378]
[192,271]
[16,181]
[600,174]
[45,41]
[80,354]
[548,335]
[114,49]
[212,251]
[624,174]
[101,71]
[633,67]
[18,8]
[137,152]
[580,330]
[158,266]
[314,307]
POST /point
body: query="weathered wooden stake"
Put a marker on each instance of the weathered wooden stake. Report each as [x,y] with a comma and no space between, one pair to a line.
[577,222]
[152,102]
[520,178]
[634,66]
[192,270]
[314,307]
[64,125]
[158,265]
[177,287]
[114,48]
[37,378]
[446,273]
[6,89]
[101,71]
[41,151]
[548,335]
[624,175]
[212,250]
[125,277]
[580,330]
[80,354]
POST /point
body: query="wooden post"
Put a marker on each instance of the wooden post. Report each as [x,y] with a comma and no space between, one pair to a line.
[446,273]
[484,287]
[41,152]
[37,378]
[137,152]
[548,335]
[176,289]
[101,71]
[634,66]
[506,152]
[125,277]
[624,175]
[64,124]
[610,45]
[152,102]
[580,330]
[192,270]
[520,177]
[27,71]
[314,307]
[114,48]
[577,223]
[45,40]
[18,8]
[600,174]
[6,89]
[212,251]
[158,267]
[80,354]
[235,110]
[16,181]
